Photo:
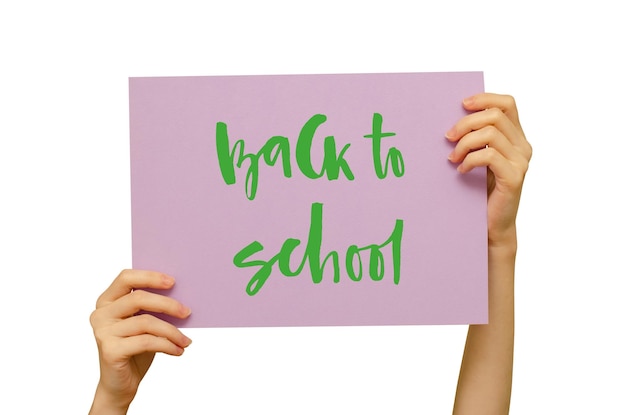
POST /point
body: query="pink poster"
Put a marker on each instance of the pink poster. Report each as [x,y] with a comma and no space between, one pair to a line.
[309,200]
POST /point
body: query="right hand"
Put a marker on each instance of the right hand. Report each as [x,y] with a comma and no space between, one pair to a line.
[127,341]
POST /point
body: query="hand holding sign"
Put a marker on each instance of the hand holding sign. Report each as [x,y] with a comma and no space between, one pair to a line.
[126,341]
[496,139]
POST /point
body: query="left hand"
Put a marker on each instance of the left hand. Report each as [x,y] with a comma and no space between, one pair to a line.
[492,136]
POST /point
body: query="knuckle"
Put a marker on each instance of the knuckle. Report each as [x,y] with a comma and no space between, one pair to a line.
[490,131]
[524,167]
[509,101]
[93,318]
[100,301]
[138,295]
[495,114]
[145,321]
[490,154]
[125,275]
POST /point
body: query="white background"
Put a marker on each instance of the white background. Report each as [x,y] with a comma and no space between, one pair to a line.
[65,199]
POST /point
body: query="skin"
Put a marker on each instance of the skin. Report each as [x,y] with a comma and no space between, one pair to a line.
[128,342]
[491,136]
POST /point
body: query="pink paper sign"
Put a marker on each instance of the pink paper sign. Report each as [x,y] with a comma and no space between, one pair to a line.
[309,200]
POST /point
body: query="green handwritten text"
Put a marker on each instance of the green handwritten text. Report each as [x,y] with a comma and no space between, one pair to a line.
[394,156]
[277,147]
[313,255]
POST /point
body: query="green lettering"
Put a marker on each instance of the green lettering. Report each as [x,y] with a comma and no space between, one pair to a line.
[275,147]
[394,157]
[332,163]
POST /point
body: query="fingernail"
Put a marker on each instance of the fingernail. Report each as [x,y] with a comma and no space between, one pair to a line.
[167,280]
[186,341]
[451,156]
[468,101]
[451,133]
[185,311]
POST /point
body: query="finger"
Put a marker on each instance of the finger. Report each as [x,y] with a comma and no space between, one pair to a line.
[491,158]
[125,348]
[505,103]
[140,300]
[148,343]
[508,106]
[488,136]
[149,324]
[491,116]
[131,279]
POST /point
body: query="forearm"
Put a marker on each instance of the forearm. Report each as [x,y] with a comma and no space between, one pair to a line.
[485,377]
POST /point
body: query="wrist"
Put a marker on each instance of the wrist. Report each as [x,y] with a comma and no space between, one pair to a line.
[503,241]
[106,403]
